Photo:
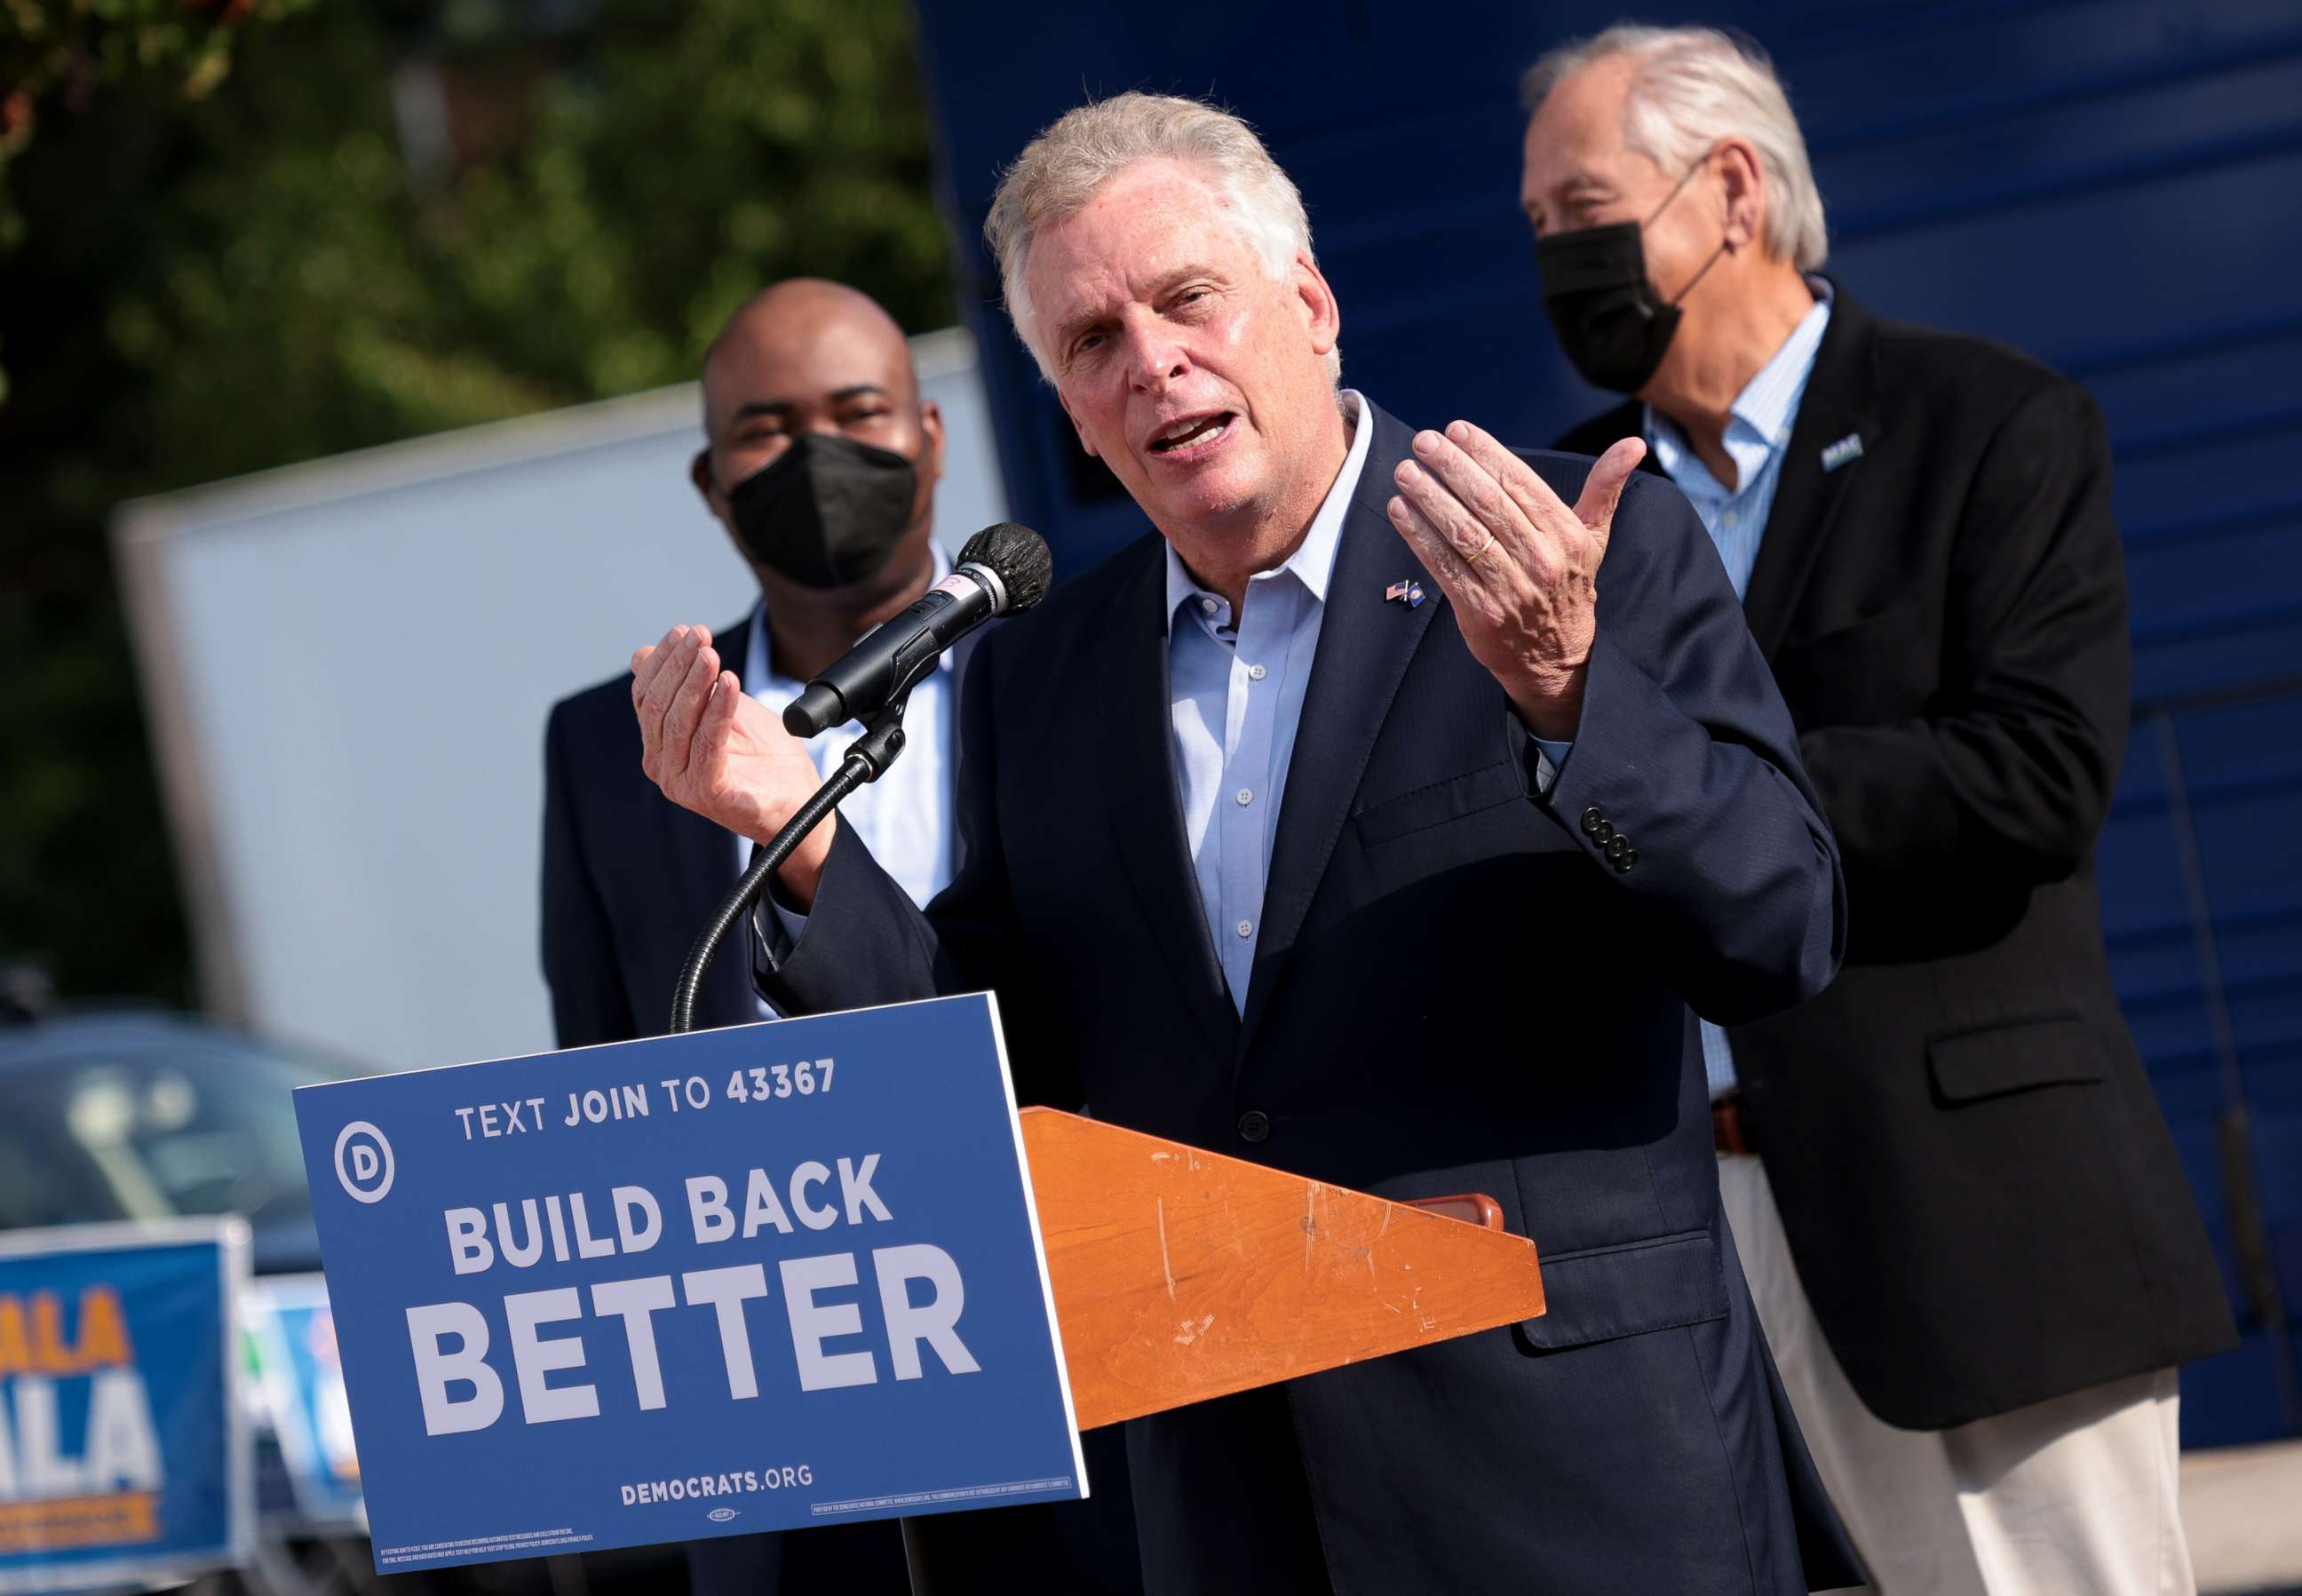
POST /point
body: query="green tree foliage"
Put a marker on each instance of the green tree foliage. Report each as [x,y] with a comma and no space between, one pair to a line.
[282,272]
[56,55]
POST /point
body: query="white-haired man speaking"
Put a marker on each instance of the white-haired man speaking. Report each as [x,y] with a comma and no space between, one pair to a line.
[1378,818]
[1970,1242]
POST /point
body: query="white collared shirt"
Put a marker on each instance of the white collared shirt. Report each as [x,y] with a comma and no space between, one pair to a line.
[905,816]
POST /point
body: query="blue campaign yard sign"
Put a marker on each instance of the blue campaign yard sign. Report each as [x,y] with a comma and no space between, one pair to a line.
[124,1457]
[292,1340]
[743,1280]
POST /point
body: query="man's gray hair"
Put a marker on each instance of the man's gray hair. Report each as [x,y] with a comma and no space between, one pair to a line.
[1693,87]
[1061,170]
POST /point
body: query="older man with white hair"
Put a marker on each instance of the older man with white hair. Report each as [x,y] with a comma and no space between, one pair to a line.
[1971,1245]
[1377,818]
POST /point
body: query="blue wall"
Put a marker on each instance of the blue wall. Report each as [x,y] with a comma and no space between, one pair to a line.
[2114,185]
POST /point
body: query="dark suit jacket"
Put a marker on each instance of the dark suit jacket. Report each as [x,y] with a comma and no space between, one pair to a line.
[1977,1184]
[1455,989]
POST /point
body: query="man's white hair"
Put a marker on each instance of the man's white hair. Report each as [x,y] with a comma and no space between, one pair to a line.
[1062,169]
[1693,87]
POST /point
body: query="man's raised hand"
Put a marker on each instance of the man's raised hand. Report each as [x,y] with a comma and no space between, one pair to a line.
[1520,567]
[715,749]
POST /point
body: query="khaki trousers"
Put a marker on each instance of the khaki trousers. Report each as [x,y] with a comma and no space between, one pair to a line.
[2071,1497]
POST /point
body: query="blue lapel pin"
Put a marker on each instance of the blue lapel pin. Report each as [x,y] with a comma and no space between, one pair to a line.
[1409,593]
[1848,448]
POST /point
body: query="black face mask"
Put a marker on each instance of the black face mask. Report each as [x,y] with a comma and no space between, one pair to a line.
[1611,321]
[826,512]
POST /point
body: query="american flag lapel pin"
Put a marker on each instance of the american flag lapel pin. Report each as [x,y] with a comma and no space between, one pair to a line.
[1409,593]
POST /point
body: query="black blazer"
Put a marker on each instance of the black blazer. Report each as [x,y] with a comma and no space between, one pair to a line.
[1978,1189]
[1455,988]
[629,877]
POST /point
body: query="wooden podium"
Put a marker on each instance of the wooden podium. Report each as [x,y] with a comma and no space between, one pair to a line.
[1180,1274]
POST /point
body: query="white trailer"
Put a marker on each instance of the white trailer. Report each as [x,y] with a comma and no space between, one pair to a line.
[346,666]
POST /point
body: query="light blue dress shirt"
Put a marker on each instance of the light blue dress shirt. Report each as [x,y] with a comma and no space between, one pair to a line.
[1236,686]
[1758,431]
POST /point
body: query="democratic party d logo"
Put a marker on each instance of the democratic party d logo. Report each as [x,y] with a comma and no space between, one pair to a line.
[363,1162]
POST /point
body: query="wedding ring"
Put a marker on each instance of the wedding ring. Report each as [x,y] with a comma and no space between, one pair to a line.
[1472,559]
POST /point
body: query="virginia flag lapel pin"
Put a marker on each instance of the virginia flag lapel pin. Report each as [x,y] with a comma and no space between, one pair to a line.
[1409,593]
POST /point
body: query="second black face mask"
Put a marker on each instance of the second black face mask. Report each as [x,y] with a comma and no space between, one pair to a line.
[1609,320]
[828,512]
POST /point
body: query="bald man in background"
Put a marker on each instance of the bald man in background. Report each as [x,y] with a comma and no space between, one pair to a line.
[821,461]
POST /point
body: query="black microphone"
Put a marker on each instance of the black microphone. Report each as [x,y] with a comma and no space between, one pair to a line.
[1004,570]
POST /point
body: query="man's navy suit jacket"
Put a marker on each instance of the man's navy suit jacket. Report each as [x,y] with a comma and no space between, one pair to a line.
[1457,988]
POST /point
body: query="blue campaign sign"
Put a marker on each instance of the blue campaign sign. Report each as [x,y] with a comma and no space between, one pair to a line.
[741,1280]
[123,1454]
[300,1375]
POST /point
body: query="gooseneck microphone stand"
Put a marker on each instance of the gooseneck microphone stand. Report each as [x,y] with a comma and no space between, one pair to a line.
[867,760]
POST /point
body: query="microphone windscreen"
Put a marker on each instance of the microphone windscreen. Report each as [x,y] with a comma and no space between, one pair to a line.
[1018,557]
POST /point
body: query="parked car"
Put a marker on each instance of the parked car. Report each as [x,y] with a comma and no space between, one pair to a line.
[127,1115]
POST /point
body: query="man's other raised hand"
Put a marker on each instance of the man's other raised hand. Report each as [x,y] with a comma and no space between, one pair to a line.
[1520,566]
[715,749]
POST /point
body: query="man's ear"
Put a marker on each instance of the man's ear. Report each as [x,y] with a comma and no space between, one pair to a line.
[699,472]
[1745,182]
[930,463]
[1322,315]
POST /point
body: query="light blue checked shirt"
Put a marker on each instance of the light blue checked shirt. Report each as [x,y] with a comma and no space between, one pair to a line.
[1762,417]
